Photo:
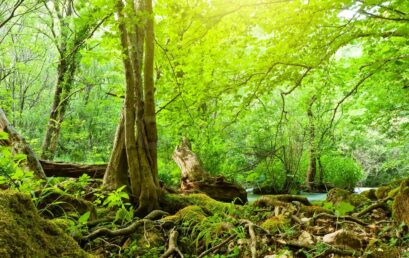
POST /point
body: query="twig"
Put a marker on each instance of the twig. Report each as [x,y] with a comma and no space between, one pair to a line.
[214,248]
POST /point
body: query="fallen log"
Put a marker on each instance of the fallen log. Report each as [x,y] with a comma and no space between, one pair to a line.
[60,169]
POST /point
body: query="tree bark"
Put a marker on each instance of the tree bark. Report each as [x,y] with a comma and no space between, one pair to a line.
[60,169]
[19,145]
[116,174]
[142,175]
[150,114]
[312,163]
[196,179]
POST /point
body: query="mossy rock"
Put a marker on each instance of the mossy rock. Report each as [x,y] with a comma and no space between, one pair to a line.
[271,201]
[382,191]
[175,202]
[370,194]
[275,223]
[337,195]
[377,249]
[400,206]
[192,213]
[23,233]
[309,211]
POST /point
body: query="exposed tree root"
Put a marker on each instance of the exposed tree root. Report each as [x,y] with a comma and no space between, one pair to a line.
[253,239]
[329,250]
[173,246]
[155,214]
[378,204]
[217,247]
[113,233]
[349,218]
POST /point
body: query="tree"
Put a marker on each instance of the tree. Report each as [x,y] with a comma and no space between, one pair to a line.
[136,132]
[69,34]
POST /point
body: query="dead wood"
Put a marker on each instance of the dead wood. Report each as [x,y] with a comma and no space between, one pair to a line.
[61,169]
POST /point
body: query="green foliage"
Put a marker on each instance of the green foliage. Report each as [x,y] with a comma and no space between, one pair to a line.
[341,171]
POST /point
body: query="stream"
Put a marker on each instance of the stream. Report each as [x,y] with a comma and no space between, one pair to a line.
[310,196]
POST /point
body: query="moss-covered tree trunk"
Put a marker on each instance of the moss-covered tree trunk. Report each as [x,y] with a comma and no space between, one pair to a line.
[136,135]
[312,151]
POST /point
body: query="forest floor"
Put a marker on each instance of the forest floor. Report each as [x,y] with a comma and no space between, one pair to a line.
[370,224]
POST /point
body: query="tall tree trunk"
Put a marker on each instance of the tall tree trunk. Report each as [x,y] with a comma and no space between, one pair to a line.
[150,115]
[141,171]
[312,162]
[66,71]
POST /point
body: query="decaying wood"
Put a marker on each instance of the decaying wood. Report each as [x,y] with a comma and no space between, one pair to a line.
[173,246]
[20,145]
[60,169]
[189,163]
[195,179]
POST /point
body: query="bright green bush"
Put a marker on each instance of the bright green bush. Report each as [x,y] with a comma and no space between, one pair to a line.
[341,171]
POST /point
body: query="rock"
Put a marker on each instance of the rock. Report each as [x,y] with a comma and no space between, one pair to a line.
[305,238]
[23,233]
[370,194]
[337,195]
[382,191]
[400,208]
[343,238]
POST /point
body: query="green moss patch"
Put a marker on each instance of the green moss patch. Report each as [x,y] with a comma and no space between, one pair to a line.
[23,233]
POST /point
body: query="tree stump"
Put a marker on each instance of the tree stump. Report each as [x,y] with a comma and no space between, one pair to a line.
[195,179]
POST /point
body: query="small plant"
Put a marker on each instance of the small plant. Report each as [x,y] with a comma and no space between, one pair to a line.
[125,211]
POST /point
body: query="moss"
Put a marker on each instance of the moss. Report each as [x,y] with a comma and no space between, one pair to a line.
[64,224]
[377,249]
[370,194]
[400,206]
[309,211]
[337,195]
[193,213]
[275,223]
[23,233]
[271,201]
[382,191]
[174,202]
[147,238]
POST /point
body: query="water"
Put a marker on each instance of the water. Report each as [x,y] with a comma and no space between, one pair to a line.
[310,196]
[251,197]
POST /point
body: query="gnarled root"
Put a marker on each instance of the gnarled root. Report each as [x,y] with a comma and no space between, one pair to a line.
[173,246]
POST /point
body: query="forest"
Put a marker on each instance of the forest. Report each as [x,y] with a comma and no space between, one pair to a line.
[204,128]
